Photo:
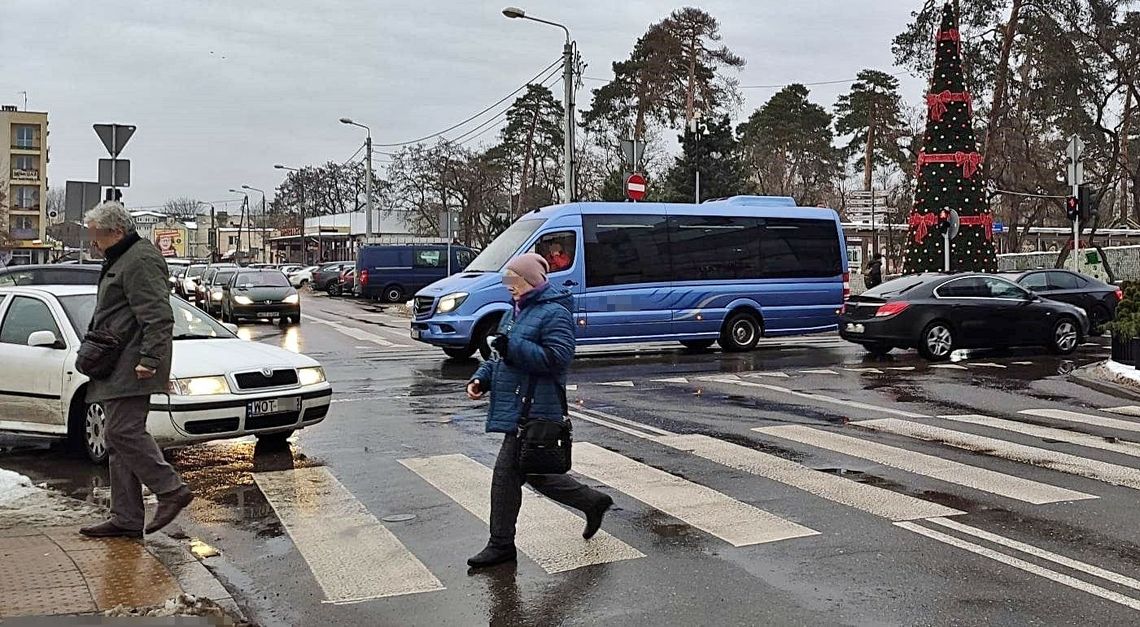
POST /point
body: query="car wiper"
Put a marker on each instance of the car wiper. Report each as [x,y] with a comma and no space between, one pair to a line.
[194,336]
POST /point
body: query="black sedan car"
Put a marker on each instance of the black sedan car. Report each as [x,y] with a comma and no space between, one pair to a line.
[1097,298]
[50,274]
[940,313]
[260,294]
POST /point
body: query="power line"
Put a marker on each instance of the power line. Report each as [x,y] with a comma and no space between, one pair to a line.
[477,115]
[467,137]
[362,147]
[1027,195]
[774,86]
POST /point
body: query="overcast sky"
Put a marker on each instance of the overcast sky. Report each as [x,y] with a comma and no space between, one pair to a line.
[222,89]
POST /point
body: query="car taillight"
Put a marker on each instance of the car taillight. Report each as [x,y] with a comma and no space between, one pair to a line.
[1119,294]
[846,285]
[364,277]
[891,309]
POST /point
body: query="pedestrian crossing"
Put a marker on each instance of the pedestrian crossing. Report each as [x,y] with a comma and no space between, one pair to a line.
[549,535]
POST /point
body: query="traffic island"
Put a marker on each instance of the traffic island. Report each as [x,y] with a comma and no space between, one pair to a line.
[52,570]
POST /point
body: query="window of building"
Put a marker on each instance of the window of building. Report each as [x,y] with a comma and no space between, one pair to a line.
[428,259]
[714,247]
[799,248]
[233,240]
[25,162]
[25,136]
[558,249]
[26,197]
[625,249]
[26,316]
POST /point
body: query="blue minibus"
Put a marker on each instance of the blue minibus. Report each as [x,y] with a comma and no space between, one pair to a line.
[726,271]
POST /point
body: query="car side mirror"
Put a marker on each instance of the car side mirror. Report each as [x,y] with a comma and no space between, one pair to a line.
[232,328]
[44,339]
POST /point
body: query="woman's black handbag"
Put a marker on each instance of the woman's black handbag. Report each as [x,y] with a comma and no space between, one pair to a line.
[544,444]
[98,354]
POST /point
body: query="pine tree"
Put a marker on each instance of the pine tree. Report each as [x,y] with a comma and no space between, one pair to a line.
[950,175]
[716,154]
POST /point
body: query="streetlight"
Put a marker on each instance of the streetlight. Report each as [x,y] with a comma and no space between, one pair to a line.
[301,216]
[367,175]
[262,229]
[569,54]
[244,204]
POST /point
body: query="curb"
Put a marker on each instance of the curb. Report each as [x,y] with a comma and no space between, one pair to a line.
[193,576]
[1082,377]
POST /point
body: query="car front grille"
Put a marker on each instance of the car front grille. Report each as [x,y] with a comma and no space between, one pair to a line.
[423,306]
[256,379]
[271,421]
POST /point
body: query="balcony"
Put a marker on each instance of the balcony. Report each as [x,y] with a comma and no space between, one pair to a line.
[25,175]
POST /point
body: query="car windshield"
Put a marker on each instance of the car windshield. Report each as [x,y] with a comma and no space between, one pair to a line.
[895,287]
[195,272]
[189,321]
[500,251]
[269,278]
[223,277]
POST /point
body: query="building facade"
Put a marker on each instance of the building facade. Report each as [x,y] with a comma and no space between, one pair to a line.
[23,187]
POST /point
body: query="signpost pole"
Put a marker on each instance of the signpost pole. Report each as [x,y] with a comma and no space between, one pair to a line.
[1076,177]
[114,159]
[946,250]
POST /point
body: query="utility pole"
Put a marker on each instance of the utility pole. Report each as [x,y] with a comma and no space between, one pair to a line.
[568,54]
[695,129]
[368,186]
[1076,172]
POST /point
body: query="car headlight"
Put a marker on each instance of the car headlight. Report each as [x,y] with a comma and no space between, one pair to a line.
[188,285]
[292,299]
[311,376]
[243,300]
[199,386]
[216,295]
[451,302]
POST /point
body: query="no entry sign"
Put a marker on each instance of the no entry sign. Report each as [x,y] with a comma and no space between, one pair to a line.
[635,186]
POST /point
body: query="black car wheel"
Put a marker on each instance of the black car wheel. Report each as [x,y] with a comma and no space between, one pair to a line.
[463,352]
[393,294]
[333,289]
[877,349]
[740,333]
[1066,336]
[937,341]
[1098,317]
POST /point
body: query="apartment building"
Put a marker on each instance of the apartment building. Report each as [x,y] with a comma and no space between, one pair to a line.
[23,186]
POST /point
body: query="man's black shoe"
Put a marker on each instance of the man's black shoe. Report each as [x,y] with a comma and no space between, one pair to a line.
[493,556]
[110,530]
[594,518]
[169,506]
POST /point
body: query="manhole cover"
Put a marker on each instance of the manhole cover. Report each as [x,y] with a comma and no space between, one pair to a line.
[399,518]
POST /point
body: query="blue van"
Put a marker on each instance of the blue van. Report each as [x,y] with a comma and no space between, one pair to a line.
[392,272]
[726,271]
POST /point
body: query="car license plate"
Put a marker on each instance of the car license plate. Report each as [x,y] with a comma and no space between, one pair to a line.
[268,406]
[268,314]
[416,334]
[855,328]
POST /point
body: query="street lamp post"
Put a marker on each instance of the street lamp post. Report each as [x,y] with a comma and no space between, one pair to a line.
[569,52]
[367,175]
[244,204]
[262,227]
[301,215]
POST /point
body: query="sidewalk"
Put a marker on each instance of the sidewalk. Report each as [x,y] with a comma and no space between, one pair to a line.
[49,569]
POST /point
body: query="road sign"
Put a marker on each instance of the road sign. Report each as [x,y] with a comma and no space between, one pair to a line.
[79,197]
[114,136]
[955,224]
[115,172]
[633,151]
[999,227]
[635,186]
[1076,148]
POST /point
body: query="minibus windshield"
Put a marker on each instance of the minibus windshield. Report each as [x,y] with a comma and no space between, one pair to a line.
[500,251]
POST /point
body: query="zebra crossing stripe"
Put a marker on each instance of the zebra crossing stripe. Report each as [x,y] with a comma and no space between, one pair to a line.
[927,465]
[871,499]
[546,533]
[351,555]
[1127,410]
[737,523]
[1061,462]
[1085,419]
[817,397]
[1049,433]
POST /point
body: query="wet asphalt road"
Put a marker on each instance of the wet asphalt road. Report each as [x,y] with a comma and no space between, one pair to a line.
[1062,550]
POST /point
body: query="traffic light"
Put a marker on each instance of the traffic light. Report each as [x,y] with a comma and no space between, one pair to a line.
[1086,203]
[1072,208]
[114,194]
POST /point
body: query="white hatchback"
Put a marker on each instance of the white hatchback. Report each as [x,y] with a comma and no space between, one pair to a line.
[220,385]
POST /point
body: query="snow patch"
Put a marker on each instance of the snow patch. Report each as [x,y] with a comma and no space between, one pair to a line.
[14,486]
[1120,373]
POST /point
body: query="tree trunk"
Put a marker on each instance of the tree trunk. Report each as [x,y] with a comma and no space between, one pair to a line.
[1125,128]
[1002,78]
[690,95]
[869,158]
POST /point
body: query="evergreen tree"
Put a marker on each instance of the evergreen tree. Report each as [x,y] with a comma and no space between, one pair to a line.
[871,114]
[950,175]
[716,154]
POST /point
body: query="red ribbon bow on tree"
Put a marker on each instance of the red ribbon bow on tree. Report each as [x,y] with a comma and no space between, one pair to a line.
[986,220]
[951,35]
[921,223]
[936,103]
[968,161]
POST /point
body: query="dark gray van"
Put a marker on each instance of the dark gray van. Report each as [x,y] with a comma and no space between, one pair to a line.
[393,273]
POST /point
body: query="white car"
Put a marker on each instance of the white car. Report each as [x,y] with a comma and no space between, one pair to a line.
[220,385]
[302,277]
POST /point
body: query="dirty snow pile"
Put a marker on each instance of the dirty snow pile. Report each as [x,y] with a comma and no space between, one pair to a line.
[14,486]
[182,605]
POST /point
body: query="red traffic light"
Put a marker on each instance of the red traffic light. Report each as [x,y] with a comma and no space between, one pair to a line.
[1072,207]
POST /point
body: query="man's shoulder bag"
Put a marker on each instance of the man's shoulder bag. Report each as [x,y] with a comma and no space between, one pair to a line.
[97,354]
[544,443]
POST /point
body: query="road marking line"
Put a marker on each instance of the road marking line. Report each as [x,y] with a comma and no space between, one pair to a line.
[778,375]
[903,368]
[820,398]
[625,421]
[1022,363]
[673,380]
[819,372]
[724,378]
[616,427]
[1095,571]
[869,498]
[351,555]
[571,388]
[1050,433]
[949,367]
[1044,458]
[619,384]
[1021,564]
[928,465]
[1085,419]
[353,332]
[1127,410]
[867,370]
[737,523]
[986,364]
[546,533]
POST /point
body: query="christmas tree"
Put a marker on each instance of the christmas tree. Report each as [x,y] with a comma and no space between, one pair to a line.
[949,170]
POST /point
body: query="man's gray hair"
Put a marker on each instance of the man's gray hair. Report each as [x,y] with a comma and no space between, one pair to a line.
[110,216]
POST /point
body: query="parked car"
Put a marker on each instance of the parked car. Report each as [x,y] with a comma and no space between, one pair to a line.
[188,287]
[328,275]
[289,268]
[215,290]
[260,294]
[1097,298]
[940,313]
[177,274]
[302,277]
[221,386]
[391,273]
[202,285]
[347,285]
[51,274]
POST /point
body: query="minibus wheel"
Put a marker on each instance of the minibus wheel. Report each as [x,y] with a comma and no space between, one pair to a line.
[741,332]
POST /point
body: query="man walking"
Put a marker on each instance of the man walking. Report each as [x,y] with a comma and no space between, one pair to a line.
[134,305]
